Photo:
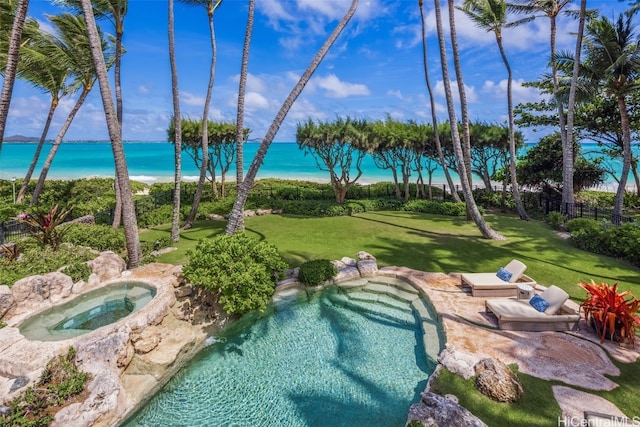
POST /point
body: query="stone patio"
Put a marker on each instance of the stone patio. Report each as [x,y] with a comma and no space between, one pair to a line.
[577,358]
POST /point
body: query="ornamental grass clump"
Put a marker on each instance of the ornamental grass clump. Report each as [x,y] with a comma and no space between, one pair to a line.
[611,313]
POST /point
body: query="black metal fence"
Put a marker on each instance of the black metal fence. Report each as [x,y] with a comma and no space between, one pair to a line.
[12,230]
[583,210]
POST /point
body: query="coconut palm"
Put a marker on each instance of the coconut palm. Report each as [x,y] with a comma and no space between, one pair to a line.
[44,64]
[464,111]
[612,64]
[211,6]
[122,174]
[115,12]
[472,207]
[73,48]
[13,56]
[552,9]
[491,15]
[177,139]
[235,218]
[432,102]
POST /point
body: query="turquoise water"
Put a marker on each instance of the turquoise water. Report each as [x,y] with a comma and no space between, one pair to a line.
[88,311]
[314,363]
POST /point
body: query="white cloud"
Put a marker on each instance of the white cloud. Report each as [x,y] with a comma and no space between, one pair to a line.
[398,94]
[143,89]
[519,92]
[254,101]
[191,99]
[470,92]
[335,88]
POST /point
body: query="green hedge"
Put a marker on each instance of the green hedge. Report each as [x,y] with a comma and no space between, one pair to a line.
[316,272]
[621,242]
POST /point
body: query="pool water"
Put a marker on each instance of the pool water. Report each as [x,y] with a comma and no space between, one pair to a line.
[318,362]
[88,311]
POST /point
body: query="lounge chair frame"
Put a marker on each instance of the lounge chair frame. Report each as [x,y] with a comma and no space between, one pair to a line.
[566,319]
[504,289]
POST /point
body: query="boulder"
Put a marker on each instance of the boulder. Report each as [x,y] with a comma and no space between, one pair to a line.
[106,266]
[496,381]
[362,255]
[367,267]
[6,299]
[146,340]
[32,291]
[458,362]
[438,411]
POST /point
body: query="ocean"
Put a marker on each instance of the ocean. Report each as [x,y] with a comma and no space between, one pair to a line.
[151,162]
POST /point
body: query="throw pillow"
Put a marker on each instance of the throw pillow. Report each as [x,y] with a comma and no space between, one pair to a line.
[539,303]
[503,274]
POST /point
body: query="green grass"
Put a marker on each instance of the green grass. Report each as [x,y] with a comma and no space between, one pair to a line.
[446,244]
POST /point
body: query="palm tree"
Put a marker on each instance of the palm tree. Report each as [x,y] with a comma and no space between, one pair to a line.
[242,89]
[464,113]
[114,11]
[551,9]
[44,64]
[235,218]
[211,7]
[432,102]
[612,64]
[177,119]
[73,49]
[484,228]
[11,69]
[492,16]
[122,173]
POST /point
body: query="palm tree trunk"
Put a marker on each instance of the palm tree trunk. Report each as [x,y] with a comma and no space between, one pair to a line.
[56,144]
[13,56]
[482,225]
[242,89]
[567,159]
[464,113]
[122,174]
[205,122]
[36,155]
[177,119]
[235,218]
[626,160]
[432,103]
[515,189]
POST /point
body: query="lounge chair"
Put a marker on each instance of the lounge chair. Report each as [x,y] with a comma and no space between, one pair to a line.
[490,285]
[520,315]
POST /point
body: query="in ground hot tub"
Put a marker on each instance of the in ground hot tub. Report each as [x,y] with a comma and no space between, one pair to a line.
[88,311]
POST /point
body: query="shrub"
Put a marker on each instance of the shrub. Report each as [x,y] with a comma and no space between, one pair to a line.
[38,260]
[436,207]
[316,272]
[586,234]
[242,270]
[555,220]
[99,237]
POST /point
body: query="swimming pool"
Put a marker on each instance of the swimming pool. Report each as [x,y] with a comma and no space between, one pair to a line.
[343,356]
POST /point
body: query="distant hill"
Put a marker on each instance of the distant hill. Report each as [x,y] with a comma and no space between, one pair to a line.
[21,138]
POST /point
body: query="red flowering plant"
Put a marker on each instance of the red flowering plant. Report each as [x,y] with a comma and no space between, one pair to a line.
[45,225]
[611,313]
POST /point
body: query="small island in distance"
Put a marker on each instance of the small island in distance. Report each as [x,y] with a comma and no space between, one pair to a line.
[20,138]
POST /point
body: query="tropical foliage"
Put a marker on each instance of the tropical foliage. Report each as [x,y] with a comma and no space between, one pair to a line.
[316,272]
[240,270]
[46,225]
[613,314]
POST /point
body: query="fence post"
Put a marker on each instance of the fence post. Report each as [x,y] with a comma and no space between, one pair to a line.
[595,213]
[2,233]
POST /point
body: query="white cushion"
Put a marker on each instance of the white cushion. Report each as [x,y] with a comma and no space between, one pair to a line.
[555,297]
[516,268]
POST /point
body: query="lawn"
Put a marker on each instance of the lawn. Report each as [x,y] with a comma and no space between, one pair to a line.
[445,244]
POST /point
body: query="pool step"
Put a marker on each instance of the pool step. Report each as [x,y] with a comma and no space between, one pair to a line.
[391,291]
[380,305]
[395,282]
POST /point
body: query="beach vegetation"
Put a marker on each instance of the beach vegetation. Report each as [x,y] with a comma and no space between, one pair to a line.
[338,147]
[240,270]
[618,241]
[99,237]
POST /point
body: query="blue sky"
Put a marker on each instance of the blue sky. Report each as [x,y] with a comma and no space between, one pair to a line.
[374,68]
